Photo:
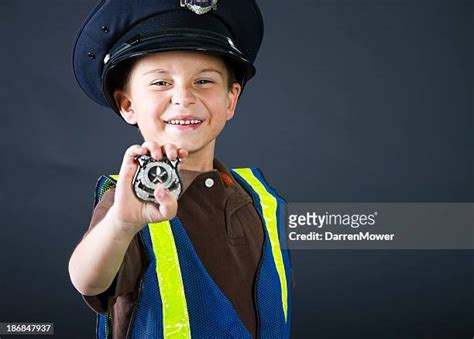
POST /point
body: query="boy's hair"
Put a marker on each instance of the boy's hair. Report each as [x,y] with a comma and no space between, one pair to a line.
[119,76]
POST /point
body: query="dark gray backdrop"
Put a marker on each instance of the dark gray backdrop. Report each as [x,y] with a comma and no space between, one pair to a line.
[354,101]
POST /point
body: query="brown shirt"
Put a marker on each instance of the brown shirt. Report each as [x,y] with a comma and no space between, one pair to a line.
[226,232]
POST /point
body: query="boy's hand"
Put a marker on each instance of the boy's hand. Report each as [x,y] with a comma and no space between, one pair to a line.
[130,212]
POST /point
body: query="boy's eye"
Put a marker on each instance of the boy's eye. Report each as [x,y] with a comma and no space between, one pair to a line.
[161,83]
[204,81]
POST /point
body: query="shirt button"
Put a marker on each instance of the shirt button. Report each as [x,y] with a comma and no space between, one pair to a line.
[209,182]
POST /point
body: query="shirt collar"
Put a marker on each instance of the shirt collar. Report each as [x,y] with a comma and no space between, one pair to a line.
[188,176]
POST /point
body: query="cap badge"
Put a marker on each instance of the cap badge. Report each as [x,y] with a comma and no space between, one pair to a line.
[199,6]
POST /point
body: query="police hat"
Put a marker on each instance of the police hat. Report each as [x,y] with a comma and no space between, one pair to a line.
[117,30]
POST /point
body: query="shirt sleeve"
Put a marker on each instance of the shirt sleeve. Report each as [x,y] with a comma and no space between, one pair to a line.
[128,274]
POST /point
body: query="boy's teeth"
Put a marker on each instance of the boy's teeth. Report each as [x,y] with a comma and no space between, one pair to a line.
[184,122]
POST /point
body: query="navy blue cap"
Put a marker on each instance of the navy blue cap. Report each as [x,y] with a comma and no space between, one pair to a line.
[117,30]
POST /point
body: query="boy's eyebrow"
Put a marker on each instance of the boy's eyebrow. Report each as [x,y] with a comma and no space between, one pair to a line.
[155,71]
[161,71]
[210,70]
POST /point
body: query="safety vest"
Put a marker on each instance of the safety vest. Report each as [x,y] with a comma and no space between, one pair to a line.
[177,298]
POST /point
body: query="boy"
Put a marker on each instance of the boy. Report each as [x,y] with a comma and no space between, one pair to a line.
[210,264]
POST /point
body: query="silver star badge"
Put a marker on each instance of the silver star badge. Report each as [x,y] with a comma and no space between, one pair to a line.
[199,6]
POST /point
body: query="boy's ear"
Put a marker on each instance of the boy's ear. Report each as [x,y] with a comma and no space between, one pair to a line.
[124,104]
[233,97]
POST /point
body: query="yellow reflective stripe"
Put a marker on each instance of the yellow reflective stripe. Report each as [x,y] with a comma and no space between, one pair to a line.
[170,281]
[269,209]
[114,176]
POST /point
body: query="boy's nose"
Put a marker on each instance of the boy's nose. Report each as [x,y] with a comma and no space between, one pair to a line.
[183,95]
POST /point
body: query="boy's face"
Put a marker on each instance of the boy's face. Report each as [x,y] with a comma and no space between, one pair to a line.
[179,97]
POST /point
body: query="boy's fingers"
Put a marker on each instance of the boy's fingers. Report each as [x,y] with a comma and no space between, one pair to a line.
[182,153]
[171,151]
[154,148]
[129,164]
[167,203]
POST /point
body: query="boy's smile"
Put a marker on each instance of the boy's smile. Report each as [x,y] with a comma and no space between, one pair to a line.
[180,97]
[184,122]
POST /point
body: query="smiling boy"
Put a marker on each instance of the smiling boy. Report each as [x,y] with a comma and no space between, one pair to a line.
[182,98]
[212,263]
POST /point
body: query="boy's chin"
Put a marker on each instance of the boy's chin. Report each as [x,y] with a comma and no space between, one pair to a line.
[195,148]
[190,147]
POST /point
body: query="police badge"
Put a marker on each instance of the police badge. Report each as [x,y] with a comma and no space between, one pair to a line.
[199,6]
[151,173]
